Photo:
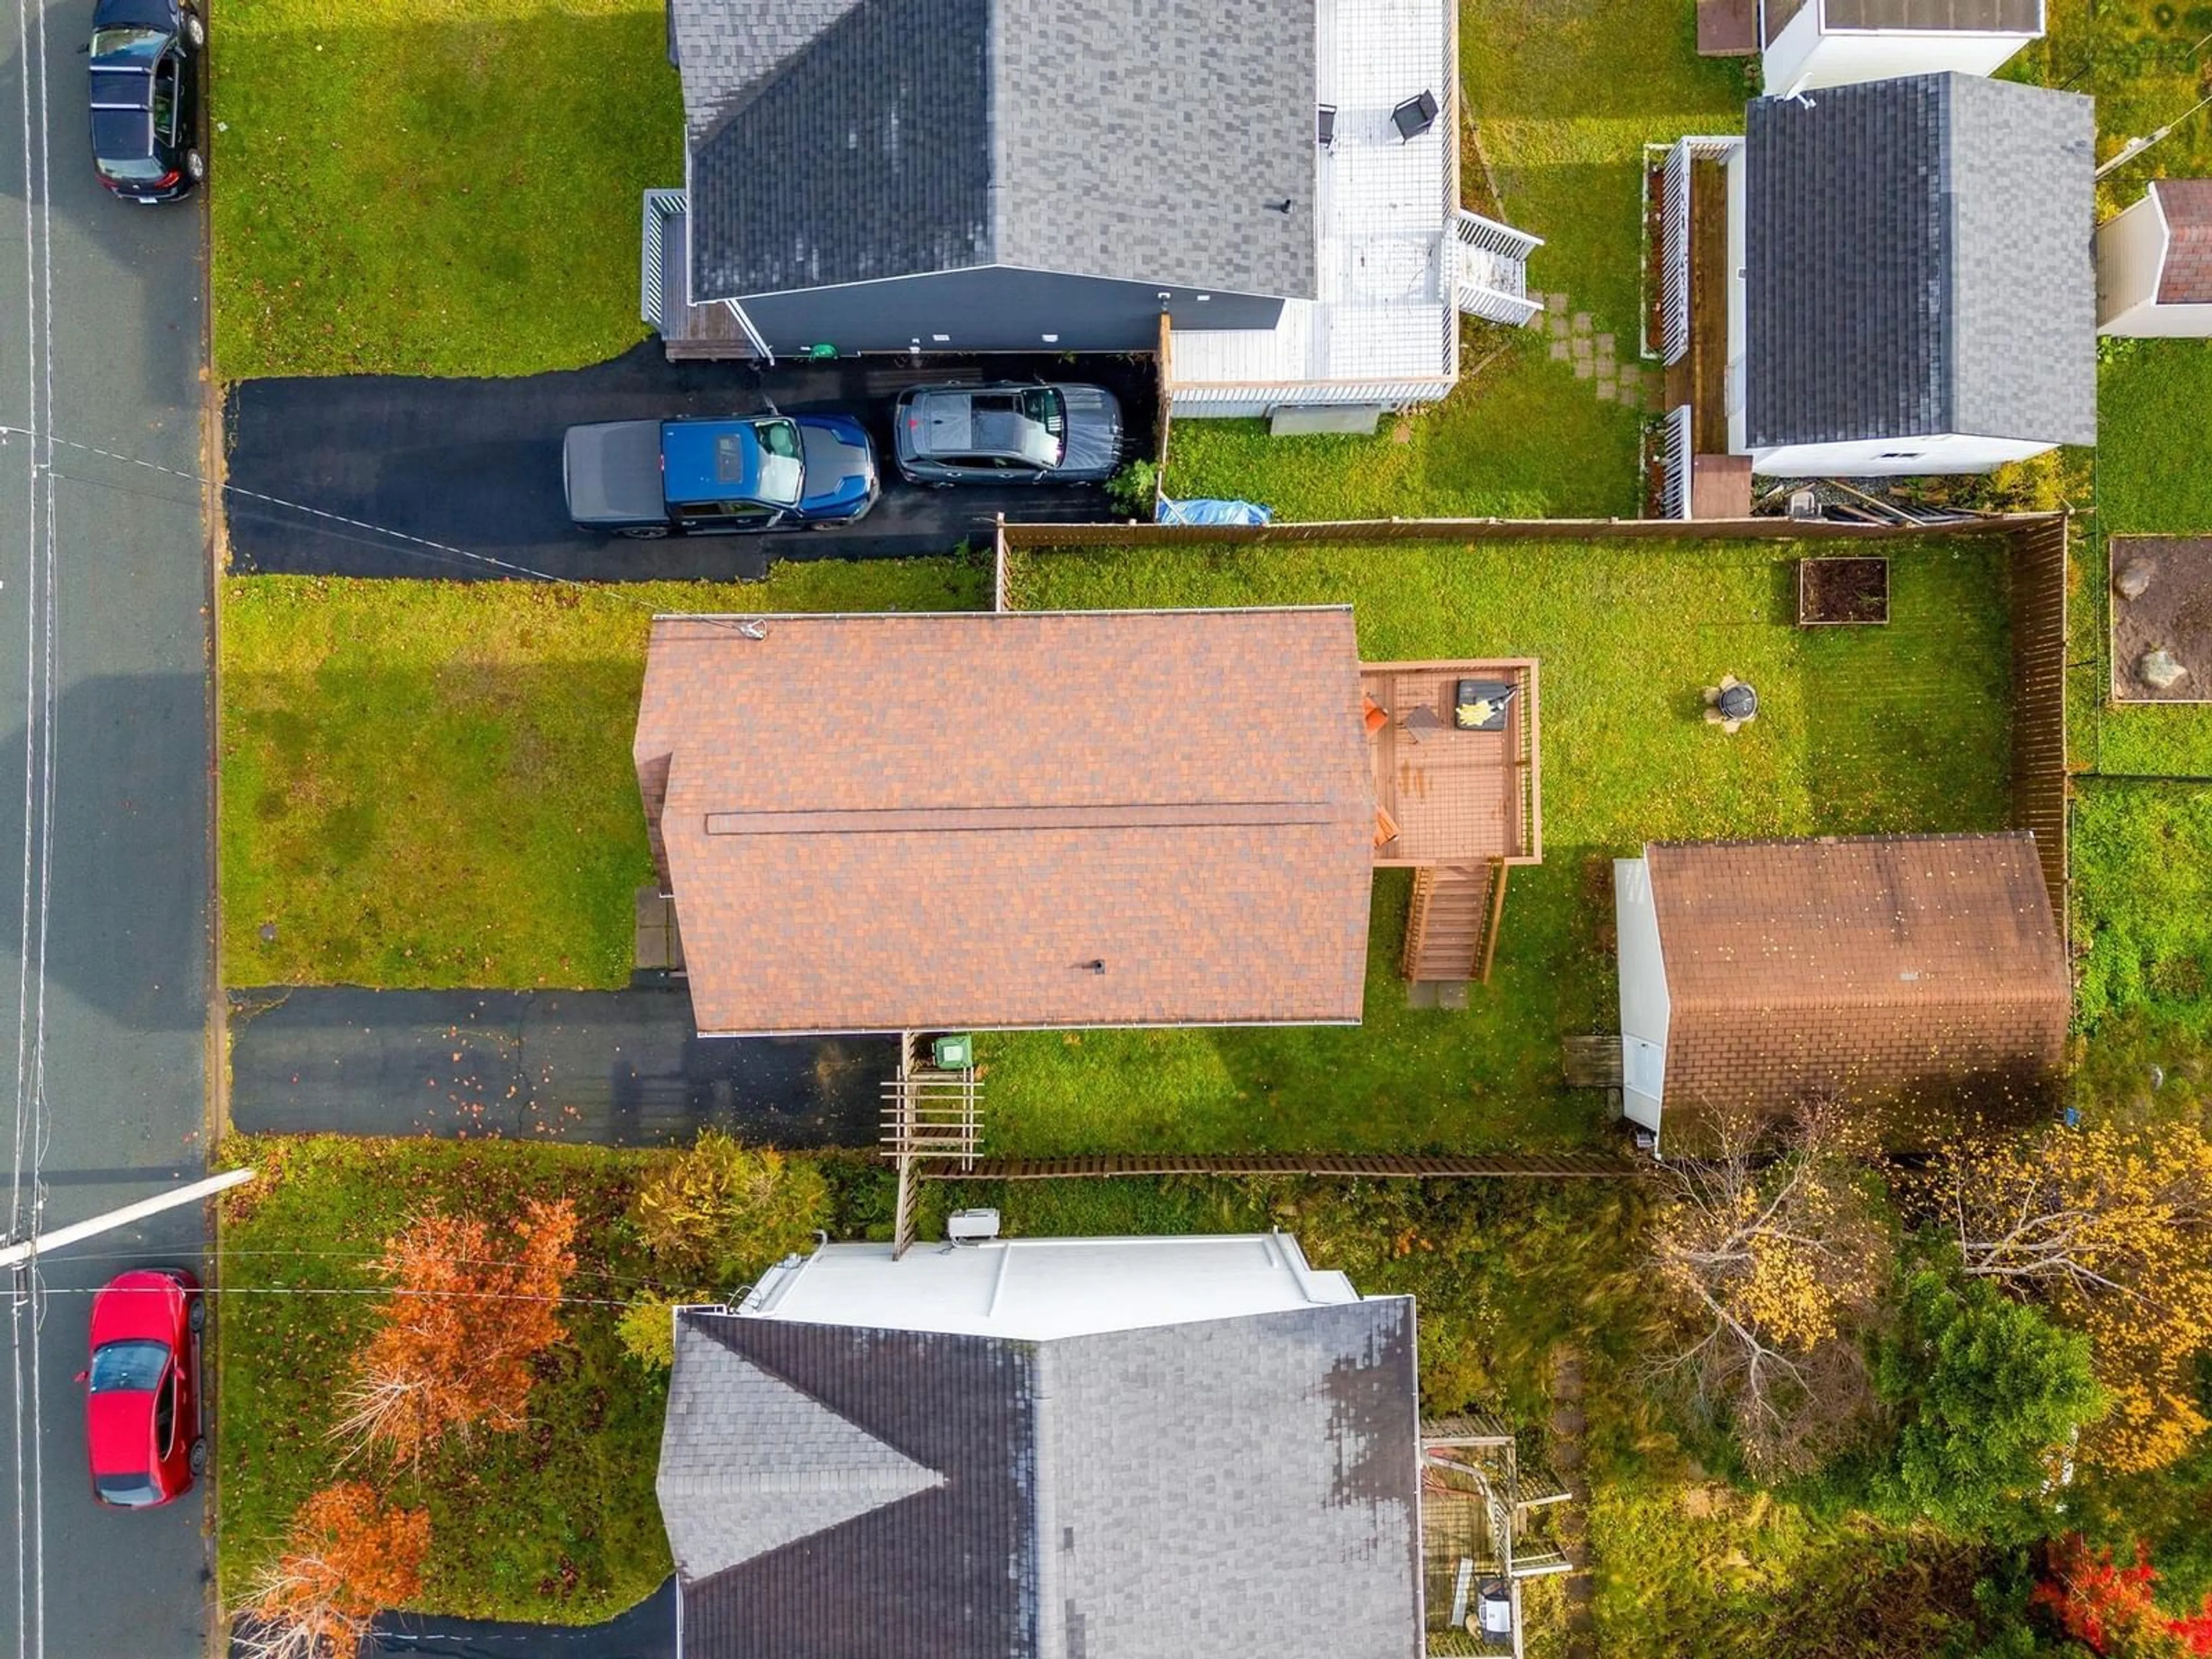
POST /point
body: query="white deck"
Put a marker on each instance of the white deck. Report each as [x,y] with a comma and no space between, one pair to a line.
[1385,322]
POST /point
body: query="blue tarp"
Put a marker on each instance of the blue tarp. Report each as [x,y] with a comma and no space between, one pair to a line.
[1204,512]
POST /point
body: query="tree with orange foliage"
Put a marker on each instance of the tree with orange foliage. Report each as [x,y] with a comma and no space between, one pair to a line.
[2113,1229]
[346,1557]
[455,1338]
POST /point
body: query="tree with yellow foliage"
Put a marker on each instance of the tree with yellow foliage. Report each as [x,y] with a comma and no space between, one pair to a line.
[1773,1258]
[2111,1228]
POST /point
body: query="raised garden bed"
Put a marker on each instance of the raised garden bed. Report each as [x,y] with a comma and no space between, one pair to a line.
[2161,618]
[1842,592]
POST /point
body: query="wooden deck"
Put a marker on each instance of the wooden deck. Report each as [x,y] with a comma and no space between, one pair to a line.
[691,332]
[1457,798]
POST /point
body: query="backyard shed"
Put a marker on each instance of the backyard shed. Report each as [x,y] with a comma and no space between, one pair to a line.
[1078,1448]
[2154,262]
[1759,975]
[1828,43]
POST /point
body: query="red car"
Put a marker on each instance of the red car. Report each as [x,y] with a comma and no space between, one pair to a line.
[142,1394]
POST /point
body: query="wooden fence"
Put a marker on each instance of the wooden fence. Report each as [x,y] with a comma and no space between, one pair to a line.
[2040,784]
[1586,1166]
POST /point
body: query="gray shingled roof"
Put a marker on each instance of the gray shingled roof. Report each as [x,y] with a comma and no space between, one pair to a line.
[1917,261]
[1982,16]
[840,141]
[1238,1486]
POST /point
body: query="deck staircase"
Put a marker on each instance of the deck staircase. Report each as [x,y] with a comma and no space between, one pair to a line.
[1448,929]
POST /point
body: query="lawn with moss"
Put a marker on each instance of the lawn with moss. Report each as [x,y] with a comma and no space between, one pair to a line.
[429,783]
[1860,730]
[409,187]
[555,1522]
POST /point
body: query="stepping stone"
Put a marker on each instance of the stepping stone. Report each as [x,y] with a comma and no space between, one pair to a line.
[1582,322]
[1630,374]
[1608,392]
[1558,351]
[1605,343]
[1559,328]
[1535,296]
[1584,369]
[1605,363]
[1556,304]
[1582,348]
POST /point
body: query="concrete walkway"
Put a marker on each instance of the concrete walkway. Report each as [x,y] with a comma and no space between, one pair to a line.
[613,1068]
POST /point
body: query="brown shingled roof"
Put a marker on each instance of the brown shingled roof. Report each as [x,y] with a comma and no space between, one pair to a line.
[2185,277]
[1863,966]
[932,821]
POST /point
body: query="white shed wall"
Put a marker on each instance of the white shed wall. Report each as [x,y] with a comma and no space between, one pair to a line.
[1838,59]
[2130,260]
[1645,1008]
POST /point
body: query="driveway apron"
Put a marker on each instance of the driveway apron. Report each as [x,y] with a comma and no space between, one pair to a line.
[611,1068]
[475,465]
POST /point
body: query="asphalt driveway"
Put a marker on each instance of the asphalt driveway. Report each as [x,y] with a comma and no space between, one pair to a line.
[614,1068]
[476,464]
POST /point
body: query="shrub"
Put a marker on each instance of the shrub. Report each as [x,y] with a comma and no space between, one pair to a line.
[1985,1389]
[647,1331]
[720,1213]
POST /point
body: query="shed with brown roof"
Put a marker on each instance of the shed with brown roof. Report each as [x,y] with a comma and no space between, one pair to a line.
[1759,975]
[2154,262]
[1019,819]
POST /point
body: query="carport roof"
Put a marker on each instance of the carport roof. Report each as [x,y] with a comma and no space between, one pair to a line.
[881,823]
[845,141]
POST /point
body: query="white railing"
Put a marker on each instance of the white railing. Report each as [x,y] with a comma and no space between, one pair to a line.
[660,206]
[1489,269]
[1674,226]
[1676,460]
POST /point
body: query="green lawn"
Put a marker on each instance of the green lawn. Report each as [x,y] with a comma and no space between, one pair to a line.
[412,186]
[1522,439]
[555,1522]
[2142,878]
[1860,730]
[429,783]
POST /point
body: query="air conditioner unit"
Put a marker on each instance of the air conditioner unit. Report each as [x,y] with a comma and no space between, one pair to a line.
[972,1226]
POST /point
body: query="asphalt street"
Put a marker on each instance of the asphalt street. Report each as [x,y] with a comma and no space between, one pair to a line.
[617,1068]
[474,467]
[104,637]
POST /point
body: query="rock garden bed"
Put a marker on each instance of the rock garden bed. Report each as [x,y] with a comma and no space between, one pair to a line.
[2161,591]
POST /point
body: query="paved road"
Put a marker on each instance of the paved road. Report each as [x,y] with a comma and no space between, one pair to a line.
[476,464]
[618,1068]
[125,942]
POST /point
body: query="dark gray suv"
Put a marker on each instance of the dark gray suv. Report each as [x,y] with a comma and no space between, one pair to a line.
[1013,433]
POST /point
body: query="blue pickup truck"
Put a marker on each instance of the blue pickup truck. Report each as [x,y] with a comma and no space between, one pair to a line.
[725,477]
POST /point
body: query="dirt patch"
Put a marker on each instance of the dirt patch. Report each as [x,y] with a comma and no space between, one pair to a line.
[2171,612]
[1831,590]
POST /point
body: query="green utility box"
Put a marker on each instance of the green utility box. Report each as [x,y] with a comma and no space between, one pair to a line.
[953,1054]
